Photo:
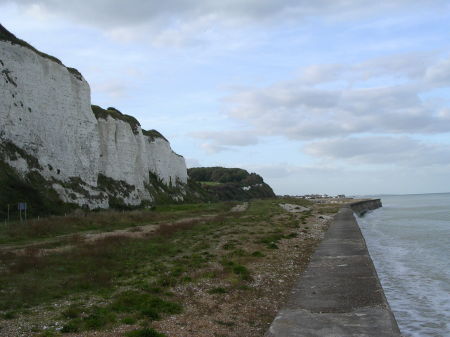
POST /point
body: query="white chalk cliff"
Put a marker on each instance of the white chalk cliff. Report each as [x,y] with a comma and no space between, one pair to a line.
[45,111]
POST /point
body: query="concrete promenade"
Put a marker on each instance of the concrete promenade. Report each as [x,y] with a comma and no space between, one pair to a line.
[339,294]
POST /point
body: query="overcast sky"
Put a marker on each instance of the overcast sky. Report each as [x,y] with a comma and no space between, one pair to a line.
[324,96]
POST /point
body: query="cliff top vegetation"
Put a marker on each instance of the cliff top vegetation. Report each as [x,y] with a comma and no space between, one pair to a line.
[6,35]
[101,113]
[153,134]
[224,175]
[230,183]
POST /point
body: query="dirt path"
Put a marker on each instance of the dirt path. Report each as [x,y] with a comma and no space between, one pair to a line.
[240,208]
[129,232]
[294,208]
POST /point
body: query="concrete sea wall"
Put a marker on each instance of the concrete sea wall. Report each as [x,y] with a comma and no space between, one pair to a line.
[364,206]
[339,294]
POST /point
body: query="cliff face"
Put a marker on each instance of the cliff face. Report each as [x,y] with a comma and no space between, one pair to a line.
[45,110]
[48,127]
[127,155]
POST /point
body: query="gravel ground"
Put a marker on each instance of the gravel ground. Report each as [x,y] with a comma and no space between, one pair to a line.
[247,312]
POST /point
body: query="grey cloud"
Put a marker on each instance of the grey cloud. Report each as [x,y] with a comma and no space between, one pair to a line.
[283,108]
[219,141]
[381,150]
[297,111]
[175,19]
[316,74]
[117,12]
[114,89]
[410,65]
[192,162]
[280,171]
[274,171]
[233,138]
[445,114]
[305,116]
[439,74]
[212,148]
[383,98]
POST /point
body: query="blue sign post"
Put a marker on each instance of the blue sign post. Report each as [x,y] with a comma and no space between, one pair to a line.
[22,206]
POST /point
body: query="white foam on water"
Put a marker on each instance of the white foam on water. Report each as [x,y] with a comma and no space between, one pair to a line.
[409,242]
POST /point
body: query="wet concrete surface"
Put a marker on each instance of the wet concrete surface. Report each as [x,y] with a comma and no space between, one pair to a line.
[339,294]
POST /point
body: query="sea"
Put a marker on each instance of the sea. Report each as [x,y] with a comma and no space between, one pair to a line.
[409,242]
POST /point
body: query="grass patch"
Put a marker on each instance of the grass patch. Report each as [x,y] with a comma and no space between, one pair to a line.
[98,318]
[146,332]
[271,240]
[241,271]
[73,311]
[129,320]
[195,208]
[217,290]
[48,333]
[210,183]
[73,326]
[147,305]
[226,323]
[8,315]
[257,253]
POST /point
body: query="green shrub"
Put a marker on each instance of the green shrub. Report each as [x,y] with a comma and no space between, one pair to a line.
[101,113]
[8,315]
[128,320]
[257,254]
[150,312]
[48,333]
[242,271]
[153,134]
[73,311]
[98,318]
[218,290]
[147,332]
[146,304]
[72,326]
[32,188]
[272,240]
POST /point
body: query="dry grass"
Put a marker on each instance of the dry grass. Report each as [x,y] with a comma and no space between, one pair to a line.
[38,229]
[167,230]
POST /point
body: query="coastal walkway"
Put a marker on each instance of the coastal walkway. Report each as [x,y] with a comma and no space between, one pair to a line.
[339,294]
